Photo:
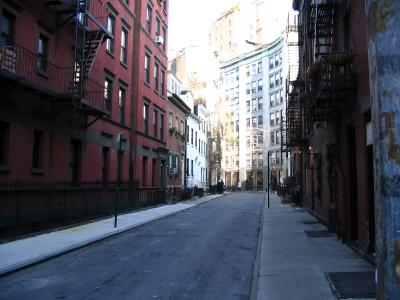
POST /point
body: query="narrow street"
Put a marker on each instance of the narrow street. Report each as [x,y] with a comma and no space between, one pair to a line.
[206,252]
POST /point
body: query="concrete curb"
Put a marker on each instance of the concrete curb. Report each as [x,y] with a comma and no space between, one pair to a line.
[31,262]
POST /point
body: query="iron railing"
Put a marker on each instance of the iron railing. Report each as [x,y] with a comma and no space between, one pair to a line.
[29,69]
[27,204]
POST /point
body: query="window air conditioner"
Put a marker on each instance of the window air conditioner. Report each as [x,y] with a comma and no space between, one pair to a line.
[159,40]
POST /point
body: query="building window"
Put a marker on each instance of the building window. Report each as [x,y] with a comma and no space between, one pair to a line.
[111,31]
[247,122]
[280,77]
[254,104]
[121,104]
[146,118]
[38,147]
[191,136]
[43,46]
[271,81]
[272,119]
[276,60]
[161,127]
[148,18]
[4,142]
[7,29]
[253,69]
[158,26]
[106,164]
[271,62]
[277,117]
[260,103]
[253,87]
[281,95]
[260,85]
[147,68]
[260,121]
[272,138]
[259,67]
[278,139]
[187,134]
[155,123]
[162,83]
[124,44]
[144,171]
[108,94]
[276,79]
[271,100]
[164,30]
[192,172]
[254,122]
[74,160]
[170,120]
[156,69]
[248,105]
[195,139]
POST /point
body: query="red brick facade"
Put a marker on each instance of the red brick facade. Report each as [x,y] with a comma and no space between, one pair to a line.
[333,163]
[177,112]
[45,136]
[149,130]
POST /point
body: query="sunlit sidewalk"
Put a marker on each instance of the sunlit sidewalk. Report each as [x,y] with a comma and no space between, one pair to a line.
[25,252]
[299,259]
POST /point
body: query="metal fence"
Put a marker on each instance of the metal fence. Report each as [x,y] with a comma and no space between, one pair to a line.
[27,204]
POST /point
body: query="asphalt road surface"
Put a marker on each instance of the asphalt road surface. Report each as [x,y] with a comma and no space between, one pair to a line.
[206,252]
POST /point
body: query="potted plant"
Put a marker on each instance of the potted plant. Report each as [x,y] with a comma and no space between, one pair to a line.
[312,71]
[171,130]
[339,58]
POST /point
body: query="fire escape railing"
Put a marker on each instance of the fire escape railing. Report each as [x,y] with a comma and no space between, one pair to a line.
[21,65]
[90,20]
[332,81]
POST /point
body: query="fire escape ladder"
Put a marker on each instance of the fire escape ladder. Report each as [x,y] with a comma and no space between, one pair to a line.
[321,26]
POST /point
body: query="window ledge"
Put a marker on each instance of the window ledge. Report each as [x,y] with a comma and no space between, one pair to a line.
[37,171]
[4,169]
[147,84]
[123,64]
[110,53]
[42,73]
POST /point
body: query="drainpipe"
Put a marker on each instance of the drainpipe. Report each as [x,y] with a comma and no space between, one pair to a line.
[383,23]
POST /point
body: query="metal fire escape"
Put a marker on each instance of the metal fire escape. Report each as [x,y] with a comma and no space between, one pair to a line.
[294,88]
[89,18]
[320,27]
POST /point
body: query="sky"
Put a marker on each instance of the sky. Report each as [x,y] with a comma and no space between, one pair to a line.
[189,20]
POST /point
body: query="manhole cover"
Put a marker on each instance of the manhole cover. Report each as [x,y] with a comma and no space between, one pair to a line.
[355,285]
[317,233]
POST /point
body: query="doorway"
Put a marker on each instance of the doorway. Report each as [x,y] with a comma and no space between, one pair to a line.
[352,232]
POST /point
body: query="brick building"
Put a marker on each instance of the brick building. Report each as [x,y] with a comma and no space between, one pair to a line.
[65,81]
[329,120]
[149,158]
[176,142]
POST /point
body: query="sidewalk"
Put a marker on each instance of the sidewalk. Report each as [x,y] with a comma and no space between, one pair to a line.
[294,265]
[15,255]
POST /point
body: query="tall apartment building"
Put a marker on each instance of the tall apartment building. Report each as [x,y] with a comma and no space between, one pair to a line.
[149,137]
[254,106]
[329,120]
[233,33]
[65,90]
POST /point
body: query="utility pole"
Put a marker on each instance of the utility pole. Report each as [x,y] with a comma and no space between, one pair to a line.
[383,22]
